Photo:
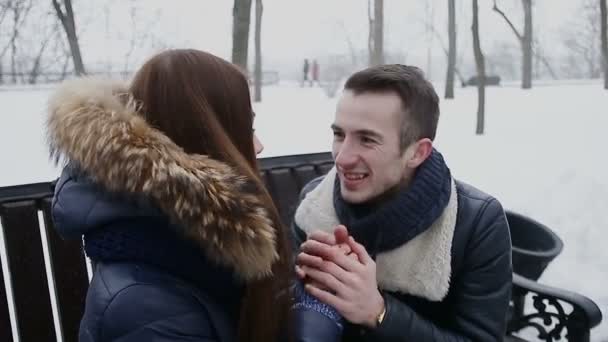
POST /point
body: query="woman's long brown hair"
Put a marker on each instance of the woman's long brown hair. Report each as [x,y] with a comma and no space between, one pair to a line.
[203,104]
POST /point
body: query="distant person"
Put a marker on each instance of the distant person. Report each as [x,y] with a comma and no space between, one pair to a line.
[305,70]
[314,73]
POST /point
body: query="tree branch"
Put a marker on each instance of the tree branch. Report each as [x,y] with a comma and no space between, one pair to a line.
[3,12]
[19,17]
[349,42]
[445,50]
[499,11]
[370,36]
[60,13]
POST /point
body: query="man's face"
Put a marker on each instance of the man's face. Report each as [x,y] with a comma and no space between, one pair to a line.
[366,145]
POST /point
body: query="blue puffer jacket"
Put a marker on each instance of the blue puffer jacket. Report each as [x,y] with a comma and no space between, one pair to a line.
[173,237]
[149,283]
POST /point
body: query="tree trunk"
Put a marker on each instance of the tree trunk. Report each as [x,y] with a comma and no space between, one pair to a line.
[351,46]
[526,74]
[525,41]
[370,33]
[64,68]
[13,41]
[35,70]
[449,79]
[69,26]
[604,38]
[241,18]
[540,56]
[481,73]
[378,55]
[14,61]
[259,8]
[590,67]
[429,32]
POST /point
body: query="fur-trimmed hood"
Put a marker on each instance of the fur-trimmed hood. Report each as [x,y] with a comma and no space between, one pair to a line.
[95,124]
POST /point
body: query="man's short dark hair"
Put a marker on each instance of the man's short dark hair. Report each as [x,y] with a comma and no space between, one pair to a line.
[419,99]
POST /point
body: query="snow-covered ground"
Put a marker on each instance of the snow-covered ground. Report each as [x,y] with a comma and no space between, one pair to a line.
[541,156]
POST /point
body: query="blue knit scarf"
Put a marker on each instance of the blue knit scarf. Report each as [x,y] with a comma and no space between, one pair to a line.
[410,211]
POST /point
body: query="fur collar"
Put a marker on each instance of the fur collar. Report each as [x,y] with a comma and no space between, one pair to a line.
[95,123]
[420,267]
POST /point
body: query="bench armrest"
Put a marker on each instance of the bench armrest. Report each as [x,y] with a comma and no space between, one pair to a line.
[552,311]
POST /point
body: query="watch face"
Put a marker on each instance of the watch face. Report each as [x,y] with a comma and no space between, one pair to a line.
[380,317]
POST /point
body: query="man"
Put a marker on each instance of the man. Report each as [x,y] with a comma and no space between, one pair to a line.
[305,71]
[432,256]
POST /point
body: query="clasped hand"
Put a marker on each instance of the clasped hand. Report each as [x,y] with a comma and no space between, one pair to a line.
[338,271]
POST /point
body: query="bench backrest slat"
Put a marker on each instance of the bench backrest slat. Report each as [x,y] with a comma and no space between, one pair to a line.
[27,268]
[6,333]
[70,273]
[282,185]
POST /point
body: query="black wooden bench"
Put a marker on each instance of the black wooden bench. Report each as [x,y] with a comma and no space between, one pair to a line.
[24,214]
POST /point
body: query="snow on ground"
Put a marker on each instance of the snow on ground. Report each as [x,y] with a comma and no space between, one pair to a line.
[542,155]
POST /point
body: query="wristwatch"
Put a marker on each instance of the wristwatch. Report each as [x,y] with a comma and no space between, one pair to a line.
[380,316]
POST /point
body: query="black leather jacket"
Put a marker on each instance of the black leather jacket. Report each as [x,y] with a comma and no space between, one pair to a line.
[476,305]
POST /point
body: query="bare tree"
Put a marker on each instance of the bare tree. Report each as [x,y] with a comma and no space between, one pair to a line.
[62,57]
[351,45]
[141,34]
[524,39]
[66,16]
[430,15]
[241,18]
[542,59]
[449,78]
[66,64]
[259,8]
[481,71]
[378,33]
[581,39]
[604,39]
[370,31]
[37,65]
[133,41]
[499,60]
[336,69]
[446,51]
[19,10]
[4,9]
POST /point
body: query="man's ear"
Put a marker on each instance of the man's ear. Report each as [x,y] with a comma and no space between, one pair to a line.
[420,151]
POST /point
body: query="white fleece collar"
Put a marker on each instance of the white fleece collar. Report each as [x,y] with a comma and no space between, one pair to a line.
[420,267]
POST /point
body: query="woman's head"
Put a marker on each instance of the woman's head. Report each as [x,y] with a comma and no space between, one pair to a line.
[202,103]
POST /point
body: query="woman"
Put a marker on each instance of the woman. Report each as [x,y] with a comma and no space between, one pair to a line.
[162,184]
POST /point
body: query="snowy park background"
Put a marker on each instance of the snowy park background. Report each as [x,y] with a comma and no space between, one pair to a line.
[542,153]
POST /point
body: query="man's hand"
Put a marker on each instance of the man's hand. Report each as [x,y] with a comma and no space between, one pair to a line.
[338,241]
[346,283]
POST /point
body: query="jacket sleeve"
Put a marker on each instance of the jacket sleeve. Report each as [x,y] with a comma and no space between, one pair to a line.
[314,320]
[479,297]
[145,312]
